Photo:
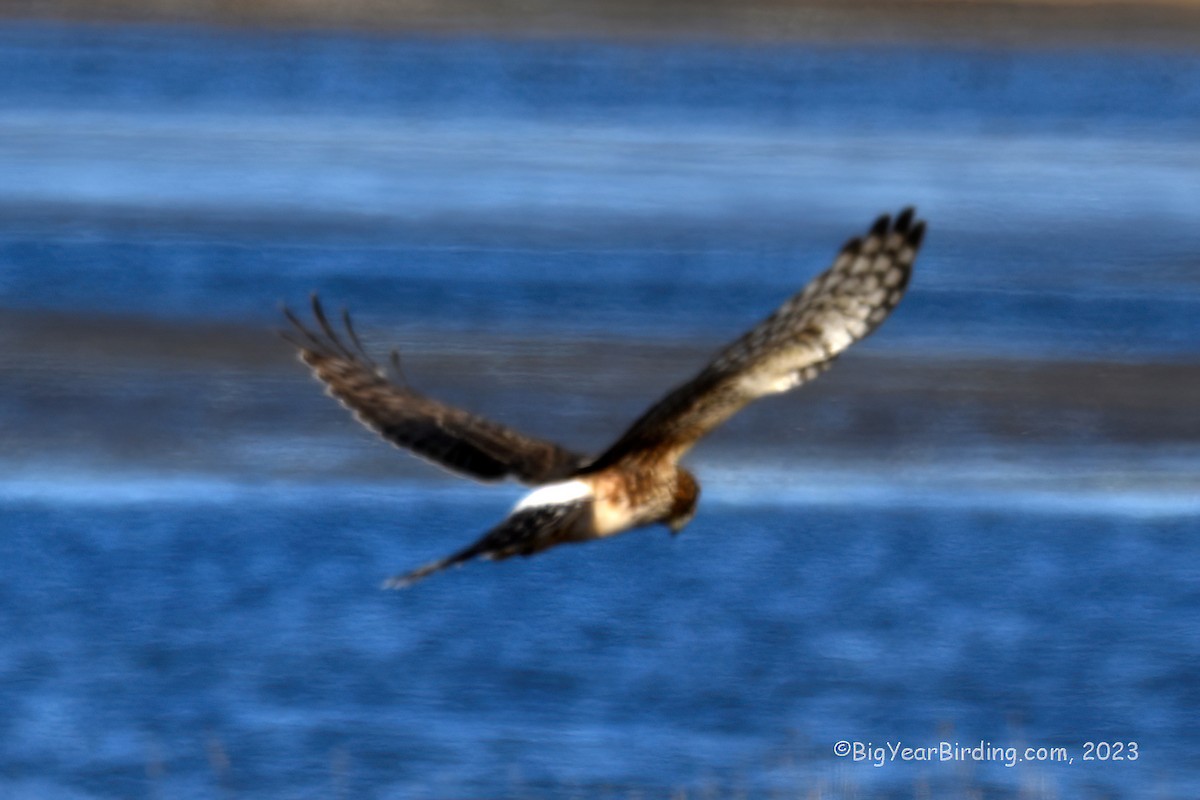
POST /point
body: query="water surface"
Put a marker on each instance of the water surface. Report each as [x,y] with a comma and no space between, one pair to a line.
[979,527]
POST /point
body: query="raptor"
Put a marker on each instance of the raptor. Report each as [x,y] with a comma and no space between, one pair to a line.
[638,480]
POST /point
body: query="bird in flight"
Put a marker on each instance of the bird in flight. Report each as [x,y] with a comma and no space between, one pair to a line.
[637,481]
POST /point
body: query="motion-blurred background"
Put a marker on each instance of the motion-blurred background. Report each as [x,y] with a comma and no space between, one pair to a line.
[979,527]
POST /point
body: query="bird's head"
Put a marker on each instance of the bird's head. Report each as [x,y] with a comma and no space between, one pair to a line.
[683,507]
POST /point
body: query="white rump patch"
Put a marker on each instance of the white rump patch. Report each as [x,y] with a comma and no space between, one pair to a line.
[555,494]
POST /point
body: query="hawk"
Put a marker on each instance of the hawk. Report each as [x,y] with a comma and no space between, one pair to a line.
[637,481]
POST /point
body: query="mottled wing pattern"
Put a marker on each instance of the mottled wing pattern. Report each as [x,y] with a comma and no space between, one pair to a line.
[447,436]
[526,531]
[792,346]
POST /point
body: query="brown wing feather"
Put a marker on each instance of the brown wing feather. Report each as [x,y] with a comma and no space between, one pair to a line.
[791,347]
[450,437]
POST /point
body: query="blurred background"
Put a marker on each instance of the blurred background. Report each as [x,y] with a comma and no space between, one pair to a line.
[979,527]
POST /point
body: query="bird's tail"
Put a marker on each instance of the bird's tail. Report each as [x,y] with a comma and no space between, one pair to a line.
[406,579]
[528,530]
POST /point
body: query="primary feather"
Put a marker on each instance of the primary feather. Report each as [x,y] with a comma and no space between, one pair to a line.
[449,437]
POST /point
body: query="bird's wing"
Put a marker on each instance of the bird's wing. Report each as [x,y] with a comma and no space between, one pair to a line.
[790,347]
[449,437]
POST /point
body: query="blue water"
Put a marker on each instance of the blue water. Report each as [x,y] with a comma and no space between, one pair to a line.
[473,184]
[733,657]
[198,632]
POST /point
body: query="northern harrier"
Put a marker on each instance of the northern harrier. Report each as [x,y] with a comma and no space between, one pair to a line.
[637,481]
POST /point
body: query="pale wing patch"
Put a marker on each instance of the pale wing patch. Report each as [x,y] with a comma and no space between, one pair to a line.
[784,374]
[836,335]
[760,384]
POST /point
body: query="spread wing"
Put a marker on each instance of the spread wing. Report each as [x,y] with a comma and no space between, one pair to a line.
[791,347]
[449,437]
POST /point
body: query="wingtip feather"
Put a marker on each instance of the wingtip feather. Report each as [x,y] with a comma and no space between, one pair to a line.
[308,341]
[917,234]
[330,332]
[882,223]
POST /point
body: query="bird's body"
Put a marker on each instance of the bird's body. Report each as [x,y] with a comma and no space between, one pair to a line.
[637,481]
